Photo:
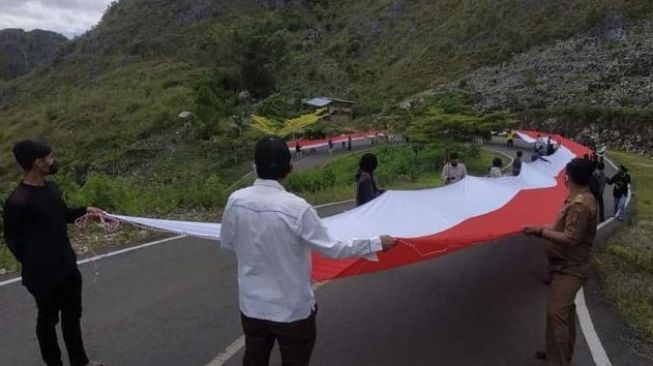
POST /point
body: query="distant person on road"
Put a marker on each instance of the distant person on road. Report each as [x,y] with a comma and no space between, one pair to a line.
[35,229]
[621,181]
[511,138]
[349,141]
[602,152]
[550,147]
[595,159]
[597,186]
[517,164]
[568,246]
[298,151]
[539,142]
[453,171]
[330,144]
[539,155]
[272,233]
[367,189]
[495,169]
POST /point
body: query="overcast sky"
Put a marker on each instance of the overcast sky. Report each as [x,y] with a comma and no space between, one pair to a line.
[68,17]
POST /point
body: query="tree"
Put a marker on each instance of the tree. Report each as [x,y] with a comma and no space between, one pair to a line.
[286,127]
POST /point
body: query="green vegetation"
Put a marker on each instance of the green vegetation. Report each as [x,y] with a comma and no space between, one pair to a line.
[452,116]
[110,101]
[625,262]
[400,167]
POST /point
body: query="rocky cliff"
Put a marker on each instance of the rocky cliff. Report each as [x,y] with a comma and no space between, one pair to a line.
[21,51]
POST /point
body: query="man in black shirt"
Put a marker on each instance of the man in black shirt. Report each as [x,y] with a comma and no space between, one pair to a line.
[517,164]
[621,181]
[367,189]
[35,229]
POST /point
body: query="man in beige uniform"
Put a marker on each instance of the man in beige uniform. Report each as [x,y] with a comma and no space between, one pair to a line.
[568,246]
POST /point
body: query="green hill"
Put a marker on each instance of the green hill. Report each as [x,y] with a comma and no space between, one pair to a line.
[109,101]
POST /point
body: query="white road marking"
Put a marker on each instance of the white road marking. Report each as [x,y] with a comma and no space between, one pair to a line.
[591,337]
[599,354]
[228,352]
[110,254]
[239,343]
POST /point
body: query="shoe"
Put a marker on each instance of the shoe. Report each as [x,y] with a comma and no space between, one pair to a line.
[96,363]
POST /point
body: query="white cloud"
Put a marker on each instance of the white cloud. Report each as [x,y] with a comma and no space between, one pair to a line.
[69,17]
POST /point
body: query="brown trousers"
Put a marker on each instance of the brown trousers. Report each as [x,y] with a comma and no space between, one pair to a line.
[561,319]
[296,340]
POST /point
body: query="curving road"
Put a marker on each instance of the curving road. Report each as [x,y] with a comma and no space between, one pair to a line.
[176,304]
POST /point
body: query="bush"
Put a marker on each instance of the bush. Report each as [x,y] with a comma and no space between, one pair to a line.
[117,195]
[395,163]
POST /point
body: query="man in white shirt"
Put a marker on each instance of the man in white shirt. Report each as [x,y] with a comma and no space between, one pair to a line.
[272,233]
[453,171]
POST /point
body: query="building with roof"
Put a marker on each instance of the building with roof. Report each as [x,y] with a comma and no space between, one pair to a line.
[337,109]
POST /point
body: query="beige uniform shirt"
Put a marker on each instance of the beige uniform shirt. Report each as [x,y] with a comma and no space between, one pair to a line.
[578,219]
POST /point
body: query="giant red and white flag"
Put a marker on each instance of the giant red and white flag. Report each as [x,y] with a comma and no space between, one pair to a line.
[434,222]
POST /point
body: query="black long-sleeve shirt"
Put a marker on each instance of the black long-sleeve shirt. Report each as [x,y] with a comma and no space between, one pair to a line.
[35,229]
[367,189]
[621,182]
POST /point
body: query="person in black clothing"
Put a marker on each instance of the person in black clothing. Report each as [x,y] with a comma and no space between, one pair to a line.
[367,189]
[621,180]
[298,151]
[517,164]
[539,155]
[349,141]
[550,147]
[595,159]
[597,186]
[35,229]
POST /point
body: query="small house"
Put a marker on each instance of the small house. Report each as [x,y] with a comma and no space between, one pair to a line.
[337,109]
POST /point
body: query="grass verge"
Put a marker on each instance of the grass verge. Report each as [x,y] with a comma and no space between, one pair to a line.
[625,262]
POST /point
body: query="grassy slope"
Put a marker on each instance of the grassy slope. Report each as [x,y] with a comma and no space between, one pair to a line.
[625,263]
[430,178]
[110,101]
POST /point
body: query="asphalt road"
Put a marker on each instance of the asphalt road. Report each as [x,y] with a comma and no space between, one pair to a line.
[176,304]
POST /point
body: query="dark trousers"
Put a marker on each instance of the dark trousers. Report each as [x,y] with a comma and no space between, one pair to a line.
[296,340]
[601,208]
[561,319]
[65,298]
[511,143]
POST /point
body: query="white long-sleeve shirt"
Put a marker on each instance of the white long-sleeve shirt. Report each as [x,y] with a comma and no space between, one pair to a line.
[452,174]
[272,233]
[495,172]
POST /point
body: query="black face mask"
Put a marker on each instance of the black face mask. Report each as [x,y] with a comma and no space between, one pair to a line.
[53,168]
[454,163]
